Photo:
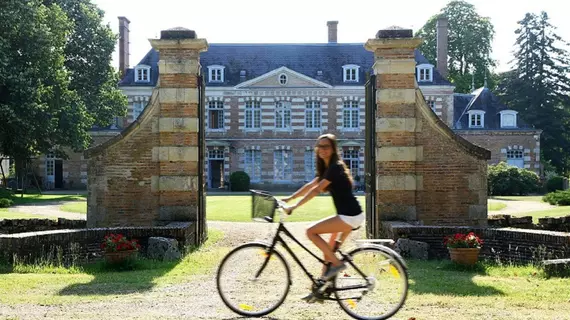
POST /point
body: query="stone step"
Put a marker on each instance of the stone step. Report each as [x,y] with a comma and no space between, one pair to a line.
[557,267]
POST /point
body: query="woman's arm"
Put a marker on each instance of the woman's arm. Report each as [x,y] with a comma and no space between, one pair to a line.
[303,190]
[316,190]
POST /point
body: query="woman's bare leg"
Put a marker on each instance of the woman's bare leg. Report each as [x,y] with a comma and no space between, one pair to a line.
[329,225]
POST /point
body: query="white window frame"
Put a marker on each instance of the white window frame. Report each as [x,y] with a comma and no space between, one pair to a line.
[144,73]
[253,114]
[283,115]
[515,158]
[285,158]
[313,116]
[352,155]
[216,73]
[473,114]
[216,105]
[310,164]
[347,70]
[350,112]
[138,108]
[512,113]
[283,76]
[424,72]
[252,164]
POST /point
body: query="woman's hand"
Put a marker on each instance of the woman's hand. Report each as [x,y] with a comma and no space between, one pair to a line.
[289,208]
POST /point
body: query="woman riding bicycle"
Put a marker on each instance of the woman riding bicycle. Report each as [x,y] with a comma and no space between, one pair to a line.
[332,175]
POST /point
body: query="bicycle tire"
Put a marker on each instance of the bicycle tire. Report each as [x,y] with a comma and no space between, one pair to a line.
[398,265]
[244,310]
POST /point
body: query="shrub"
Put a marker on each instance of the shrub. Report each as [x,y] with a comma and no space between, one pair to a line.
[555,183]
[6,193]
[5,203]
[559,198]
[239,181]
[505,180]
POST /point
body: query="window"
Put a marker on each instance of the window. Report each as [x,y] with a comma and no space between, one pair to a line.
[424,73]
[216,115]
[350,73]
[310,166]
[283,165]
[283,115]
[313,115]
[142,74]
[216,154]
[253,164]
[431,104]
[350,116]
[283,79]
[350,157]
[476,119]
[508,119]
[138,107]
[252,115]
[216,73]
[515,158]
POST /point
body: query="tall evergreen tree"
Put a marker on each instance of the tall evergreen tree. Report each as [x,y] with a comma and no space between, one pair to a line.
[469,45]
[539,88]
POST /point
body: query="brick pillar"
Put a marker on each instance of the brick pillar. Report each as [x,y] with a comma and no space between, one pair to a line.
[426,173]
[397,151]
[177,151]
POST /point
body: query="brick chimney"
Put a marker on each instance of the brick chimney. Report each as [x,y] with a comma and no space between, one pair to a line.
[442,34]
[123,45]
[332,31]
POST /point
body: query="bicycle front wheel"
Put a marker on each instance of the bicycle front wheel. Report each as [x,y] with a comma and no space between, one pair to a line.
[378,296]
[252,281]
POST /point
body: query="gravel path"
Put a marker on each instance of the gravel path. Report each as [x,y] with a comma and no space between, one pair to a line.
[520,207]
[198,297]
[48,209]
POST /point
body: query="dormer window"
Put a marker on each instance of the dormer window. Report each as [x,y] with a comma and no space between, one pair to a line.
[282,79]
[508,119]
[350,72]
[142,73]
[216,73]
[424,72]
[476,119]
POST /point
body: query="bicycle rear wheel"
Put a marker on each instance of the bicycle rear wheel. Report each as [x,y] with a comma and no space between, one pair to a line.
[259,287]
[386,284]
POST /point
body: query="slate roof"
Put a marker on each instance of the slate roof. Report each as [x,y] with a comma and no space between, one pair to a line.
[482,99]
[258,59]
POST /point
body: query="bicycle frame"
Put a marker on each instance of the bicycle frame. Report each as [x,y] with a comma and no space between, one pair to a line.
[278,239]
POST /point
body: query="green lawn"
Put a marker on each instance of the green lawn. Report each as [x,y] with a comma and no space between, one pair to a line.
[78,207]
[495,206]
[554,212]
[5,214]
[37,198]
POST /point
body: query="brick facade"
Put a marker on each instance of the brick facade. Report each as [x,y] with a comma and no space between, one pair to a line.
[425,172]
[148,175]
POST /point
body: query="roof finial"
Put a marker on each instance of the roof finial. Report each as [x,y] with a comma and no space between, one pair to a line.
[472,81]
[485,84]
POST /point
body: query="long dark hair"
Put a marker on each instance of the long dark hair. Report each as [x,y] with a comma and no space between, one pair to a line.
[335,158]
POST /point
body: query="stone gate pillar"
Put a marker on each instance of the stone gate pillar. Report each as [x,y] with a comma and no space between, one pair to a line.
[149,174]
[426,174]
[177,150]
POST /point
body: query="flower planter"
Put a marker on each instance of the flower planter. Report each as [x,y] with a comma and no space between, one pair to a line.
[464,256]
[120,256]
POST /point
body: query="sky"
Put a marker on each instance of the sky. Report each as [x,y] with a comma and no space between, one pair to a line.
[305,21]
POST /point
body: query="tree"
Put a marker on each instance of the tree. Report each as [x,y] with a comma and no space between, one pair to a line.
[539,88]
[469,45]
[56,81]
[88,56]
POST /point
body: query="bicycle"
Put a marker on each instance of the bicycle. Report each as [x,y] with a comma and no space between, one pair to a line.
[269,277]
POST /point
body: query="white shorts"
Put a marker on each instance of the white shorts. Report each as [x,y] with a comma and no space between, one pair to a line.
[353,221]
